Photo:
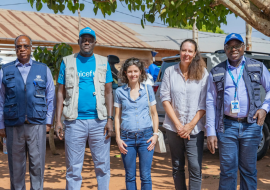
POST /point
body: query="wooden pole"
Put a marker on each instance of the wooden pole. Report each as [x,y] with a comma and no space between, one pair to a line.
[79,20]
[248,37]
[195,33]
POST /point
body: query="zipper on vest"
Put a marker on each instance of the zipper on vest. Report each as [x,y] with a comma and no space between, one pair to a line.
[25,101]
[25,88]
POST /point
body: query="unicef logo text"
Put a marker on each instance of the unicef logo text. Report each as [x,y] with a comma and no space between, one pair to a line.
[86,74]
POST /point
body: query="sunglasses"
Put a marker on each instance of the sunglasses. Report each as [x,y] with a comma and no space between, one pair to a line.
[25,46]
[230,48]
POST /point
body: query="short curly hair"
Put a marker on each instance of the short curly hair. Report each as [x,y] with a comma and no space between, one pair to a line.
[122,75]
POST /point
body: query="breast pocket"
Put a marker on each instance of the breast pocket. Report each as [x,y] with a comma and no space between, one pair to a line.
[219,80]
[102,75]
[69,82]
[11,111]
[40,110]
[10,90]
[10,77]
[40,89]
[255,77]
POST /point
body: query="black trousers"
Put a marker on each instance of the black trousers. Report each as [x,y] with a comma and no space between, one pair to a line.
[194,150]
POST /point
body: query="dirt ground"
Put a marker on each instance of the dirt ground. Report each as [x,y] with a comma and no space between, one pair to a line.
[161,171]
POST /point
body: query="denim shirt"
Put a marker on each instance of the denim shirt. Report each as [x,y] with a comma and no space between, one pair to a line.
[135,114]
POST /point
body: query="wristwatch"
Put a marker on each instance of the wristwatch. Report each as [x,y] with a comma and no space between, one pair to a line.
[110,117]
[156,134]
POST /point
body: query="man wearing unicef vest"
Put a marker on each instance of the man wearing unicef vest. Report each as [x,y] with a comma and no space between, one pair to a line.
[235,114]
[26,106]
[86,99]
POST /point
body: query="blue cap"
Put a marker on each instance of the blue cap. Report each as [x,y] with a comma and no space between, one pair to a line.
[89,31]
[233,36]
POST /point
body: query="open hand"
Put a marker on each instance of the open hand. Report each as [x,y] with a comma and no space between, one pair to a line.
[48,127]
[153,140]
[260,115]
[3,133]
[121,145]
[59,130]
[212,143]
[108,128]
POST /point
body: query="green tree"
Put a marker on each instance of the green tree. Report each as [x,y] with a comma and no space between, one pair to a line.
[176,13]
[53,58]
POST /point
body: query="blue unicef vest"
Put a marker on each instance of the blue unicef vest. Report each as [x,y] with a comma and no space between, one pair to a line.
[252,77]
[25,100]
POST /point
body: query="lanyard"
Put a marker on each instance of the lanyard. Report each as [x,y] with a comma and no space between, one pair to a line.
[238,79]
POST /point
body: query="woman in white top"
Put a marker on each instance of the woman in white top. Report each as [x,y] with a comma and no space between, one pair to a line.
[183,95]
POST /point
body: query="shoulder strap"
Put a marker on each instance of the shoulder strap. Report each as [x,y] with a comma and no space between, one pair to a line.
[148,102]
[101,62]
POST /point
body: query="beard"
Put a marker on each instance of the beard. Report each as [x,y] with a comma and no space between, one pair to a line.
[87,52]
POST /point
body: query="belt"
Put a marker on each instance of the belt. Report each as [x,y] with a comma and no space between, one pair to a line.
[26,122]
[239,119]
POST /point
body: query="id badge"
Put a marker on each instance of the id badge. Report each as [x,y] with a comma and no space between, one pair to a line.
[235,106]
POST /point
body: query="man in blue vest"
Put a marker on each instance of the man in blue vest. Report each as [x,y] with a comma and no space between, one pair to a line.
[85,98]
[26,109]
[235,114]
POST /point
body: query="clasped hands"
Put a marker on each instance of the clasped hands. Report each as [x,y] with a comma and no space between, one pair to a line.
[184,131]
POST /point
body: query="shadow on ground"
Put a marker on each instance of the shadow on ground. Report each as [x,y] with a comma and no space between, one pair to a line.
[55,169]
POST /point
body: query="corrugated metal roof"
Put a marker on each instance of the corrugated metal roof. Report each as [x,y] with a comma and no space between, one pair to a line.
[171,38]
[61,28]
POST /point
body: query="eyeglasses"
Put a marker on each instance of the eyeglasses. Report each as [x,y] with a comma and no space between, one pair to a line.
[25,46]
[230,48]
[90,41]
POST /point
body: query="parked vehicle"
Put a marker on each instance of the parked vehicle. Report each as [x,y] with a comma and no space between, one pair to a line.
[211,60]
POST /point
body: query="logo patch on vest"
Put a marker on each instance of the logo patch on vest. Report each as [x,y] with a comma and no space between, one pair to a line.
[218,74]
[38,78]
[253,65]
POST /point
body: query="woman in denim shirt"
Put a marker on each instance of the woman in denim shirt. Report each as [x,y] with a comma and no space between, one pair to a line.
[132,111]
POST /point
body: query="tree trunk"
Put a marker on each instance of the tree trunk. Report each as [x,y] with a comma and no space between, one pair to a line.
[195,33]
[79,20]
[51,133]
[254,16]
[51,141]
[248,37]
[79,17]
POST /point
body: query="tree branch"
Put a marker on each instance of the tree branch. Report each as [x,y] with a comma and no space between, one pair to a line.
[258,12]
[244,10]
[214,3]
[105,1]
[232,7]
[263,5]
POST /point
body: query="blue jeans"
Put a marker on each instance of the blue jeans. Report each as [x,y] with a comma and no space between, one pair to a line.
[77,132]
[136,144]
[238,147]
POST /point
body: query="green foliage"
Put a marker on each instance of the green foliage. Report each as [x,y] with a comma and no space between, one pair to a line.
[58,5]
[175,13]
[53,58]
[203,29]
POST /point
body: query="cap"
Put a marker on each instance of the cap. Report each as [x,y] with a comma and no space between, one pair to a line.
[89,31]
[233,36]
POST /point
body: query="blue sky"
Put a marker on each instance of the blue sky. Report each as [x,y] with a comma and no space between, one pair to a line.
[236,25]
